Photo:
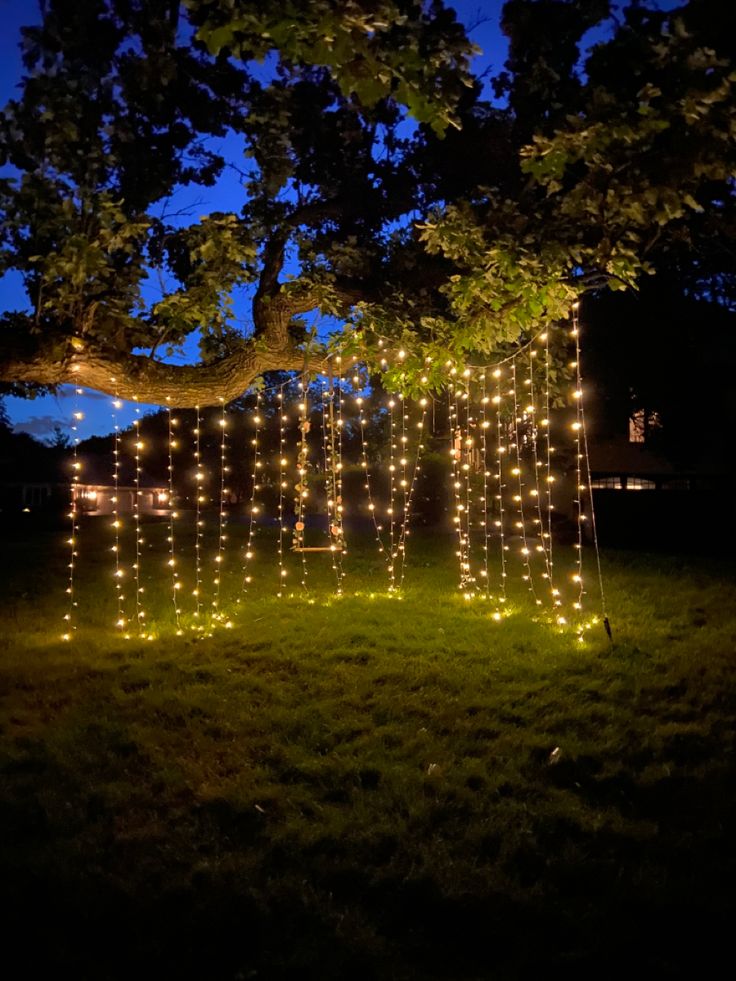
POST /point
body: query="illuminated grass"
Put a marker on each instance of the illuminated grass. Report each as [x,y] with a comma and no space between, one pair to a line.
[371,787]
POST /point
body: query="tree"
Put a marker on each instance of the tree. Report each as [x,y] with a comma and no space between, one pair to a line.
[620,171]
[455,235]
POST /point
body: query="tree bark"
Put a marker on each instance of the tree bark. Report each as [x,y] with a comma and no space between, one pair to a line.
[137,377]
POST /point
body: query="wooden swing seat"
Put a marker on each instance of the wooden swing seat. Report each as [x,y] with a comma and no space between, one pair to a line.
[316,548]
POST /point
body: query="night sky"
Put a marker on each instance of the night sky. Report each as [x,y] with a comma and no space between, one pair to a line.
[40,416]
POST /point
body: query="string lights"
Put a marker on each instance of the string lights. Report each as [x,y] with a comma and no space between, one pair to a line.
[404,488]
[518,472]
[222,515]
[577,426]
[70,618]
[533,422]
[337,434]
[409,493]
[253,508]
[301,488]
[140,612]
[391,494]
[332,456]
[460,482]
[500,522]
[398,464]
[198,519]
[582,437]
[549,476]
[173,516]
[484,427]
[117,523]
[283,462]
[503,485]
[366,473]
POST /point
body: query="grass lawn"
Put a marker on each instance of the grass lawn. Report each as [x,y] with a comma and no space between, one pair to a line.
[369,787]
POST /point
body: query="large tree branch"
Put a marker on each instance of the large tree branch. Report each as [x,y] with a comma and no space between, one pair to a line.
[273,307]
[137,377]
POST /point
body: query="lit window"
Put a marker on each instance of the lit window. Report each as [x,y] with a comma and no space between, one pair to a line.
[639,483]
[636,427]
[642,424]
[607,483]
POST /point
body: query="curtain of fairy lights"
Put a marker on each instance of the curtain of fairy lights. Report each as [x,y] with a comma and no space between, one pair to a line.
[503,468]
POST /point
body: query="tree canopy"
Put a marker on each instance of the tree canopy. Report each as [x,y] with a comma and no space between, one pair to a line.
[378,185]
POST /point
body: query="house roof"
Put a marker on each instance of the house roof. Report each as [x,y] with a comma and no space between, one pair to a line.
[619,456]
[98,471]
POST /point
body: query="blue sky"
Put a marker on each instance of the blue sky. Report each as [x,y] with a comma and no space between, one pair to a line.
[39,416]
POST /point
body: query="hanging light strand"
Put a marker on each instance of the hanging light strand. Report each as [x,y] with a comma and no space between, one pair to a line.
[283,419]
[580,400]
[222,515]
[140,613]
[302,486]
[404,488]
[198,520]
[391,494]
[333,478]
[340,507]
[501,520]
[537,464]
[549,476]
[327,466]
[254,507]
[70,619]
[456,454]
[577,426]
[484,427]
[366,472]
[117,524]
[173,516]
[405,530]
[518,472]
[466,464]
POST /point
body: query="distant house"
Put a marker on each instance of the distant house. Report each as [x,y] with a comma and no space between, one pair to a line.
[630,464]
[97,499]
[673,508]
[38,478]
[96,493]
